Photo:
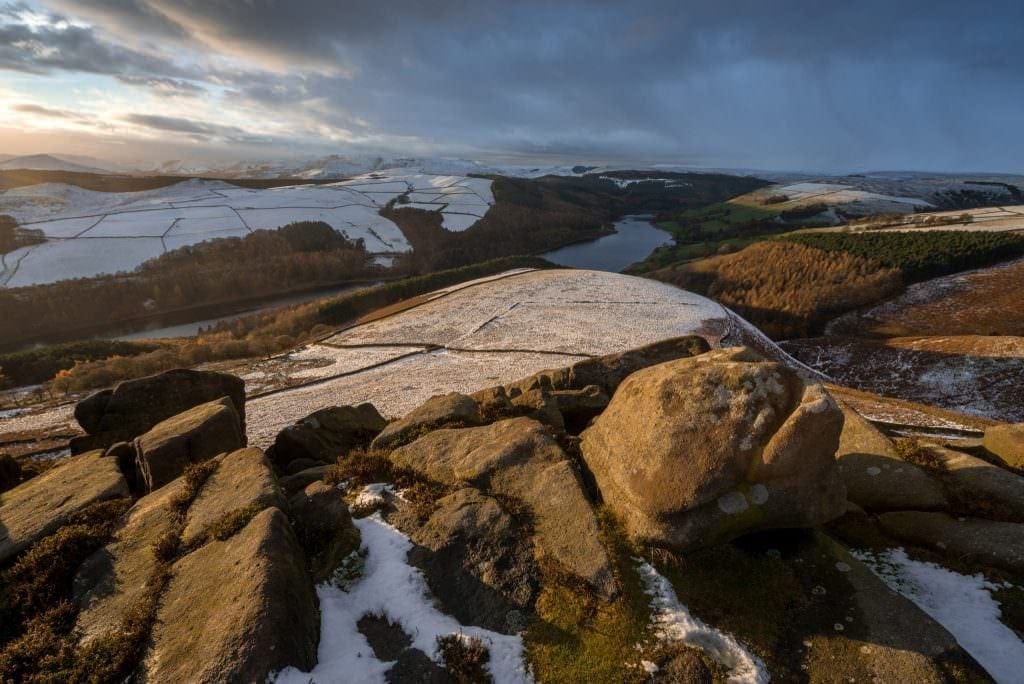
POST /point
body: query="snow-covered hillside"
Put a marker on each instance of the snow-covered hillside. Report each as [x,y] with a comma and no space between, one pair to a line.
[487,332]
[90,233]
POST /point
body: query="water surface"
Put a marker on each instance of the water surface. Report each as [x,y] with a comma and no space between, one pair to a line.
[634,240]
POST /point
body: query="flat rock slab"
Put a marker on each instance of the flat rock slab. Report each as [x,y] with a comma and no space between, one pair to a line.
[113,579]
[198,434]
[1000,544]
[236,610]
[243,480]
[44,503]
[903,644]
[876,478]
[518,458]
[980,486]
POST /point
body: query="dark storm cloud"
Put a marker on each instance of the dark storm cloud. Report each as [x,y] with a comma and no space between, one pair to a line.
[40,49]
[198,130]
[928,84]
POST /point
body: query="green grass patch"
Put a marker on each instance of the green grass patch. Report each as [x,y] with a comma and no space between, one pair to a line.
[579,638]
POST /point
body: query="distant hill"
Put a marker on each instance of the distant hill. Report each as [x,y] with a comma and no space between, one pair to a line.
[46,162]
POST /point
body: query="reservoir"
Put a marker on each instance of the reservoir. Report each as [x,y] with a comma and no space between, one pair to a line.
[635,238]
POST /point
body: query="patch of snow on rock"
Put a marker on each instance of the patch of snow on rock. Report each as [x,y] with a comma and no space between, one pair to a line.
[392,587]
[963,604]
[673,622]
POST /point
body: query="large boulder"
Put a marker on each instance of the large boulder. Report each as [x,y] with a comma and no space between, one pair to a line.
[1000,544]
[477,560]
[1006,442]
[325,435]
[876,478]
[517,458]
[236,610]
[242,485]
[444,410]
[134,407]
[700,450]
[198,434]
[110,582]
[39,506]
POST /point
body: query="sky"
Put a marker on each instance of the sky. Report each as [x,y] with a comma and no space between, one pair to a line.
[760,84]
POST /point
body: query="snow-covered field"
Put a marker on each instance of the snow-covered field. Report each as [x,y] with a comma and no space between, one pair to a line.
[851,199]
[492,331]
[468,337]
[91,233]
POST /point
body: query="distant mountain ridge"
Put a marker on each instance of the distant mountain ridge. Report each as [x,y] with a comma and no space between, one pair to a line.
[47,162]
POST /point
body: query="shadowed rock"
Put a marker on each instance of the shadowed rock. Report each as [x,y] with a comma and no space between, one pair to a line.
[980,487]
[38,507]
[324,528]
[700,450]
[518,458]
[112,580]
[1000,544]
[134,407]
[325,435]
[477,561]
[876,478]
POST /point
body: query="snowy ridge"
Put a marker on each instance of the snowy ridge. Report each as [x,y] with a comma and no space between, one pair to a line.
[392,587]
[963,604]
[673,622]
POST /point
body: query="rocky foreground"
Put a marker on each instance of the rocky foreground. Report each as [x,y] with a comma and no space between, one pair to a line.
[673,513]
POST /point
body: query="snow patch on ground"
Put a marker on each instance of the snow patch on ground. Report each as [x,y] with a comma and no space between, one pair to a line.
[673,622]
[392,587]
[963,604]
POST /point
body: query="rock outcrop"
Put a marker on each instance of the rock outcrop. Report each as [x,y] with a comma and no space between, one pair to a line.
[324,528]
[112,581]
[518,458]
[700,450]
[195,435]
[1006,442]
[325,435]
[134,407]
[41,505]
[979,487]
[236,610]
[243,483]
[970,540]
[477,561]
[444,410]
[876,478]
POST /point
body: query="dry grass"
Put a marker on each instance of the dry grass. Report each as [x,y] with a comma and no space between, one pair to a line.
[786,289]
[465,658]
